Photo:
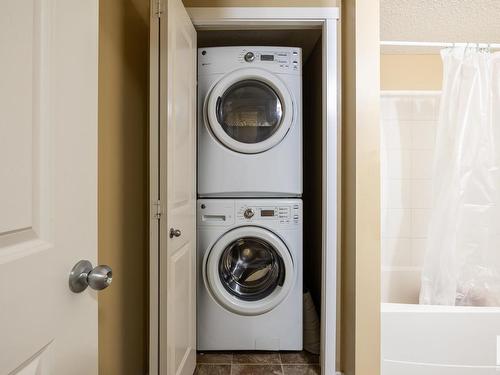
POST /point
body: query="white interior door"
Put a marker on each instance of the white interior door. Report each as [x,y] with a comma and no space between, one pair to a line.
[176,234]
[48,184]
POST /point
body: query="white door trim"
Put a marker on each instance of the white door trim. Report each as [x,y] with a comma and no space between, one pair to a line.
[154,188]
[327,19]
[170,206]
[331,195]
[225,17]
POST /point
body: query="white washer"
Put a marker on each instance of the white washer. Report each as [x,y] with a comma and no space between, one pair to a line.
[249,274]
[249,122]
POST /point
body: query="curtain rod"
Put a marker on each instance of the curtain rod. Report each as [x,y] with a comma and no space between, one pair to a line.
[437,44]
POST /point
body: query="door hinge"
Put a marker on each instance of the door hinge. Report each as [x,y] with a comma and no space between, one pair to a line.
[157,210]
[158,8]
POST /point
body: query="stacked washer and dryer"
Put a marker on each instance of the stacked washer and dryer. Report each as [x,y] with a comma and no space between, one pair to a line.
[249,211]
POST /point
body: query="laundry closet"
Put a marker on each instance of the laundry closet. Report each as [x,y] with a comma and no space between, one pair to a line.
[250,179]
[247,240]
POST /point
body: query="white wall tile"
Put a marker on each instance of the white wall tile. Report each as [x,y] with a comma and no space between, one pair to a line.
[397,108]
[420,218]
[408,136]
[400,285]
[418,123]
[395,136]
[408,123]
[423,136]
[396,223]
[418,249]
[424,108]
[437,107]
[388,108]
[398,164]
[383,164]
[421,193]
[396,252]
[421,164]
[405,108]
[397,193]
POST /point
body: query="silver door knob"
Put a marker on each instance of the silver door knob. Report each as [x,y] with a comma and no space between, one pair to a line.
[175,233]
[83,275]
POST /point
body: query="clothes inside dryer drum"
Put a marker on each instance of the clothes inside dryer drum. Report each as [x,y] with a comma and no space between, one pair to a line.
[251,269]
[249,111]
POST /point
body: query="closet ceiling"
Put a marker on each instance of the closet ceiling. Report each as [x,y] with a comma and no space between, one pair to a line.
[303,38]
[440,20]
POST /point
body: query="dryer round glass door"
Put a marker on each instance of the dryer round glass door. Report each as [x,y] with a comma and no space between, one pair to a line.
[249,270]
[249,110]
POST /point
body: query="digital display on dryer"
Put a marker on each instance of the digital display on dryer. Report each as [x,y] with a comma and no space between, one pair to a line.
[267,213]
[267,57]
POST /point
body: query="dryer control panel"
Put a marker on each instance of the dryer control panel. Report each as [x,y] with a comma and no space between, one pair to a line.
[282,59]
[216,60]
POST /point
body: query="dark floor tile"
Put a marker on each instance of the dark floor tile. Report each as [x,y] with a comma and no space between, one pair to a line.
[299,358]
[256,358]
[205,369]
[256,370]
[214,357]
[301,370]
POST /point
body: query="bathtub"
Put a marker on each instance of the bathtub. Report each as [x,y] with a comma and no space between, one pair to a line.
[434,340]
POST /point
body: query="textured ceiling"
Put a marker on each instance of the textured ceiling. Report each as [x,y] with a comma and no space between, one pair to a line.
[440,20]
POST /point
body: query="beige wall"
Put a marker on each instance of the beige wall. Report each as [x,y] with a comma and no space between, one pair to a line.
[123,212]
[360,253]
[411,72]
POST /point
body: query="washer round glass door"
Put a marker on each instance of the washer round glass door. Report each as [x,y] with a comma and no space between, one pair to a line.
[249,270]
[249,110]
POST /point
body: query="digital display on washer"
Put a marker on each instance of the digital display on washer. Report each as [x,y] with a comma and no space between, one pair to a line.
[267,213]
[267,57]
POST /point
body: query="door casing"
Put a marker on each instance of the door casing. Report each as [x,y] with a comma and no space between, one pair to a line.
[244,18]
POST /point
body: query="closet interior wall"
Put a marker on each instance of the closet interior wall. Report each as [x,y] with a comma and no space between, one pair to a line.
[312,124]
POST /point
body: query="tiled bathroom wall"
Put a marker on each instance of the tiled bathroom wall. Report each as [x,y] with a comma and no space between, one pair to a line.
[408,133]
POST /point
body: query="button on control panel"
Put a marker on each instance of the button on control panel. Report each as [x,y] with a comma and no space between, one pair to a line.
[296,212]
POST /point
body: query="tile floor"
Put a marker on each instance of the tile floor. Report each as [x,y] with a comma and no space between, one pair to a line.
[257,363]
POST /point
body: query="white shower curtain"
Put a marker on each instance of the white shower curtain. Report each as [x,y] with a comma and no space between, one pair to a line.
[462,262]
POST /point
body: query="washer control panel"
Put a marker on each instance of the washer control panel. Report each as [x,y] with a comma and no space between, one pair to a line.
[229,212]
[284,214]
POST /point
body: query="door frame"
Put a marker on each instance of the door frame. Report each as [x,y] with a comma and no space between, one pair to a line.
[327,19]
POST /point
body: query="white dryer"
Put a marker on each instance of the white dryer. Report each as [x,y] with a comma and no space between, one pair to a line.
[249,288]
[249,122]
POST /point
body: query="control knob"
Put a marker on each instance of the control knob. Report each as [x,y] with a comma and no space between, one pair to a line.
[249,56]
[248,213]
